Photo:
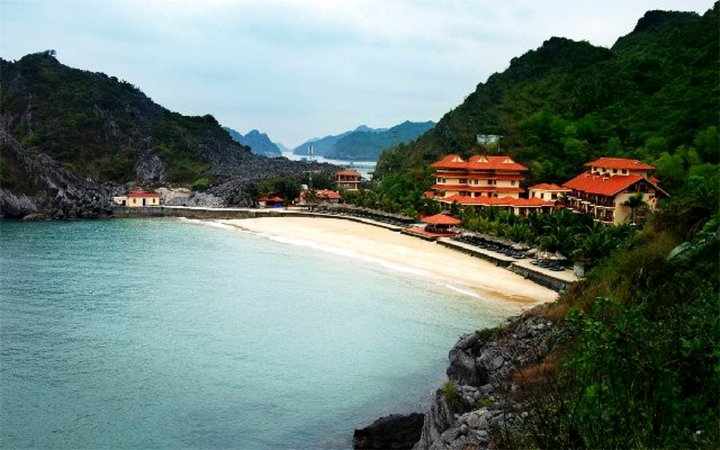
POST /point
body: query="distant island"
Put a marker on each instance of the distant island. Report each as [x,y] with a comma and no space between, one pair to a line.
[364,143]
[259,143]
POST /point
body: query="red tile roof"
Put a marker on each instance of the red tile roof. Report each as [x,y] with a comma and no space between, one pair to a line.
[500,201]
[479,162]
[328,194]
[441,219]
[265,198]
[143,194]
[548,187]
[604,185]
[348,172]
[429,194]
[620,163]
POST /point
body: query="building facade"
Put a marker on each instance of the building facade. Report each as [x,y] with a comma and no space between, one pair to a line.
[545,191]
[348,179]
[603,191]
[479,176]
[484,181]
[137,199]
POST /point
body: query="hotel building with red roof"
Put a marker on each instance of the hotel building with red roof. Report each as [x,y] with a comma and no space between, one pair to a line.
[606,186]
[484,181]
[348,179]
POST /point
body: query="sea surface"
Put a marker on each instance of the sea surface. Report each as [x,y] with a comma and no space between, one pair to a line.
[364,168]
[162,333]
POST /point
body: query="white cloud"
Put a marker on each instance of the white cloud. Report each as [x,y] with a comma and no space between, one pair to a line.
[297,68]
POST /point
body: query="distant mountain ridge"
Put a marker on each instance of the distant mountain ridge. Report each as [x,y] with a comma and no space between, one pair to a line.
[259,143]
[364,143]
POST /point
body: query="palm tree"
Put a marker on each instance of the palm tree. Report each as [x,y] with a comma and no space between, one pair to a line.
[634,203]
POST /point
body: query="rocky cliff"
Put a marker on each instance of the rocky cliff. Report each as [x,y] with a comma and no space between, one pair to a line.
[71,138]
[483,402]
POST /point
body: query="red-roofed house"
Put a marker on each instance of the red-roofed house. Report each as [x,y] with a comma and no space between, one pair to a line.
[348,179]
[440,224]
[479,176]
[137,199]
[270,201]
[602,191]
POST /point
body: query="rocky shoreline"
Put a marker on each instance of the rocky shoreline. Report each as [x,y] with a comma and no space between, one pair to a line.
[482,403]
[43,189]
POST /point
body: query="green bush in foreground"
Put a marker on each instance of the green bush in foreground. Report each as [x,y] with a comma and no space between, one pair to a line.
[643,369]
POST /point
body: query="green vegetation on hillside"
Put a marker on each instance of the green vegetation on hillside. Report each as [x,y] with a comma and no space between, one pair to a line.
[96,125]
[653,96]
[643,367]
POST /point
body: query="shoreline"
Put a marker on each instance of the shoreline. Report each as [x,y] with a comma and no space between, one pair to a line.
[467,275]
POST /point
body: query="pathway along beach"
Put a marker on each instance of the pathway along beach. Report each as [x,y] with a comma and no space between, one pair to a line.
[402,252]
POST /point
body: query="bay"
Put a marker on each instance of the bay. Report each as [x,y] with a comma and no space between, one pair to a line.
[165,334]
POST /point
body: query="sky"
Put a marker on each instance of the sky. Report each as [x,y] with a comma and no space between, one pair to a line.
[298,69]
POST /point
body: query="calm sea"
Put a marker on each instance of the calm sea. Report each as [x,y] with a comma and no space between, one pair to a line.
[167,334]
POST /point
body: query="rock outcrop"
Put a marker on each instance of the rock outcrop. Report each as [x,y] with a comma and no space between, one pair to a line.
[483,401]
[47,189]
[396,431]
[486,397]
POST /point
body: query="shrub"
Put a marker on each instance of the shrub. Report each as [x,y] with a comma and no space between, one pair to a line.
[200,184]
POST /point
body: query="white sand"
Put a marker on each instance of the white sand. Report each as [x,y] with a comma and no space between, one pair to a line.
[421,257]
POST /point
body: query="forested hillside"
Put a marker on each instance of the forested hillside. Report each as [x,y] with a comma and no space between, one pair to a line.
[63,127]
[652,96]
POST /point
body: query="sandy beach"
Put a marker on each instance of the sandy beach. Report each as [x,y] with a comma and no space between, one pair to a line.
[396,250]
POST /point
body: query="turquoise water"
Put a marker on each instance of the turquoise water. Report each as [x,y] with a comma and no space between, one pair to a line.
[166,334]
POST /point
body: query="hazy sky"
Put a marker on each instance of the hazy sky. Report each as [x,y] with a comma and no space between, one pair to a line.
[302,68]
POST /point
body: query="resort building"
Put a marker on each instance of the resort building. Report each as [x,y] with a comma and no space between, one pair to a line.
[479,176]
[484,181]
[137,199]
[545,191]
[348,179]
[603,191]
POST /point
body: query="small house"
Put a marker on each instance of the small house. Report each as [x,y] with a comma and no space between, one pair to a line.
[137,199]
[267,201]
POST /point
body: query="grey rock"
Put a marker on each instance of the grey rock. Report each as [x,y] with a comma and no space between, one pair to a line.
[48,188]
[395,431]
[149,167]
[450,434]
[498,362]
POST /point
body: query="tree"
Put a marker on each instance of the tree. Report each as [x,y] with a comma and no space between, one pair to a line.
[634,203]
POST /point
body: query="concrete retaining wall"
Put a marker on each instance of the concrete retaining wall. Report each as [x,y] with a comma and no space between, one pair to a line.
[540,278]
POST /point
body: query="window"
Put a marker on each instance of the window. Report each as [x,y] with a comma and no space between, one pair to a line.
[512,182]
[554,197]
[463,180]
[624,171]
[614,170]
